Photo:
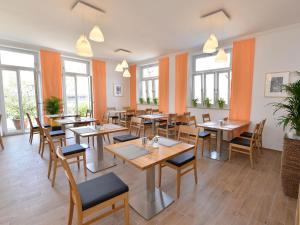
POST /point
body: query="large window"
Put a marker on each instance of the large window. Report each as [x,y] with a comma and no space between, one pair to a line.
[149,83]
[77,86]
[211,79]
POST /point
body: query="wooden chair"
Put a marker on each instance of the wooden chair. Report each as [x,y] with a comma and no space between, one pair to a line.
[33,129]
[148,111]
[1,141]
[184,162]
[112,116]
[92,196]
[125,121]
[245,146]
[168,127]
[57,135]
[126,107]
[206,118]
[105,120]
[75,151]
[134,131]
[89,113]
[155,111]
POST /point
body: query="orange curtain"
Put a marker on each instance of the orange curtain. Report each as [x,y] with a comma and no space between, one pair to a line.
[181,64]
[99,89]
[132,70]
[51,74]
[163,83]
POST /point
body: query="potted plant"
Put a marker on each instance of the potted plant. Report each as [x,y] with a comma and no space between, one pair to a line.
[155,101]
[142,100]
[53,105]
[221,103]
[148,101]
[194,102]
[207,102]
[290,162]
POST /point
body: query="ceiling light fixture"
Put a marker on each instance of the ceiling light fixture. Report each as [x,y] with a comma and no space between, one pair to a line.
[221,56]
[126,73]
[96,34]
[124,64]
[209,46]
[83,47]
[119,68]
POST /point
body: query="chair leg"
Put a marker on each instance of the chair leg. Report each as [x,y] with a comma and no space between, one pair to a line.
[79,218]
[71,209]
[126,209]
[209,144]
[50,166]
[40,145]
[84,164]
[43,148]
[1,143]
[30,136]
[195,172]
[78,162]
[54,172]
[229,154]
[108,138]
[202,147]
[178,182]
[251,159]
[159,174]
[65,141]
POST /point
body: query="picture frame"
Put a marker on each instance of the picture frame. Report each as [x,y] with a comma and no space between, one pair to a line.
[274,82]
[118,90]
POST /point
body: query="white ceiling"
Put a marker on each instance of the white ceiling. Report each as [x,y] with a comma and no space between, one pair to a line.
[147,28]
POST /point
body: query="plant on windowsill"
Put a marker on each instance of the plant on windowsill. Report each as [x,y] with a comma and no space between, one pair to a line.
[141,100]
[290,161]
[148,101]
[155,101]
[53,105]
[207,102]
[194,102]
[221,103]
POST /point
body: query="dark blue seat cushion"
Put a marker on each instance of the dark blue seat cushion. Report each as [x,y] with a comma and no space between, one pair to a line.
[203,134]
[246,134]
[73,149]
[57,133]
[164,126]
[126,137]
[100,189]
[181,123]
[147,122]
[55,128]
[240,141]
[182,159]
[114,117]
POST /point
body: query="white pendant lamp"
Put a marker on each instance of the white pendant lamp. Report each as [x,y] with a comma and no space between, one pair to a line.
[211,44]
[119,68]
[221,56]
[126,73]
[124,64]
[83,47]
[214,39]
[96,34]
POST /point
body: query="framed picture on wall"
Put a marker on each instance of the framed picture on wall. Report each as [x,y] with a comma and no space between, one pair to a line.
[274,84]
[118,90]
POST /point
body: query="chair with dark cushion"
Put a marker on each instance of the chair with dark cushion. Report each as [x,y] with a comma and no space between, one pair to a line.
[245,146]
[111,115]
[125,120]
[33,129]
[184,162]
[90,197]
[134,131]
[168,127]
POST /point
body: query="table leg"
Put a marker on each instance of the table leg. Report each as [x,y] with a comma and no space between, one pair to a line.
[153,128]
[151,201]
[99,163]
[77,138]
[218,154]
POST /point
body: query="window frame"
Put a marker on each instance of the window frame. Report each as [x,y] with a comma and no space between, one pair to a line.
[216,73]
[75,76]
[146,79]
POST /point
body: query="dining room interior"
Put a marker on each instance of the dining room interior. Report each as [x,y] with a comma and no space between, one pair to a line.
[149,113]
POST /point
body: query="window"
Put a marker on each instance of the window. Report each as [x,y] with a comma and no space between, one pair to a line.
[77,86]
[211,80]
[149,83]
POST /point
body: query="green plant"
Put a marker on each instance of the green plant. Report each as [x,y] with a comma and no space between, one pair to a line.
[291,106]
[82,109]
[195,102]
[148,100]
[207,102]
[12,106]
[142,100]
[155,101]
[53,105]
[221,103]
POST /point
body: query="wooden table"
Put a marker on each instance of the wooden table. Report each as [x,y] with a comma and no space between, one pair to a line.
[153,118]
[152,200]
[74,121]
[230,126]
[99,163]
[52,118]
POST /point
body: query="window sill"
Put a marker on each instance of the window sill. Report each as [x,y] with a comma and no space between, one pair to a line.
[212,108]
[145,104]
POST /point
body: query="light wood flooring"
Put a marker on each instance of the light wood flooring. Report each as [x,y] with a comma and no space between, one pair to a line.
[228,193]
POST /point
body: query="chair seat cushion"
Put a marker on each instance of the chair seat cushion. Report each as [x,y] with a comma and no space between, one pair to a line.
[126,137]
[164,126]
[55,128]
[178,123]
[101,189]
[114,117]
[57,133]
[210,130]
[147,122]
[203,134]
[182,159]
[240,141]
[246,134]
[73,149]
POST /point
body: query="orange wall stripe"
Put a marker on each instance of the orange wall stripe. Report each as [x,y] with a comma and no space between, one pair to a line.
[163,84]
[181,64]
[132,70]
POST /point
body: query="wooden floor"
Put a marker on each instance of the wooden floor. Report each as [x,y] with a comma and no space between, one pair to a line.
[228,193]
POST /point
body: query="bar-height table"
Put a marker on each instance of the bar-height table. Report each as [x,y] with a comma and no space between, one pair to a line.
[152,200]
[99,163]
[153,118]
[230,126]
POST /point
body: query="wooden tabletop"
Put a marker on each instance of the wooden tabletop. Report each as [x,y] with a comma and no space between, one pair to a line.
[75,120]
[229,125]
[53,116]
[87,131]
[153,116]
[156,155]
[117,111]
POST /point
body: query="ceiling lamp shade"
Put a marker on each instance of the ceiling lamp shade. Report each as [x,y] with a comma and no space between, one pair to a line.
[124,64]
[214,39]
[209,46]
[96,34]
[119,68]
[83,47]
[221,56]
[126,73]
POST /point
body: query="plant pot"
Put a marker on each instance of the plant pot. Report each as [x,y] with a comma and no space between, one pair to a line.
[290,165]
[17,123]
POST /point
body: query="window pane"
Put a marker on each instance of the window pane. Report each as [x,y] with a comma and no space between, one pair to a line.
[83,94]
[144,94]
[209,84]
[70,95]
[156,88]
[209,63]
[151,71]
[17,59]
[75,67]
[223,86]
[150,90]
[197,88]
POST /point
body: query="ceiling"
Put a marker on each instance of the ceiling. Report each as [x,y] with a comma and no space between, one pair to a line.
[147,28]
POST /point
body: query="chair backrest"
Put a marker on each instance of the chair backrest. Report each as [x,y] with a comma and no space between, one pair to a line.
[89,113]
[130,112]
[72,184]
[262,126]
[148,111]
[155,111]
[135,126]
[50,142]
[30,121]
[192,121]
[254,135]
[187,113]
[105,118]
[189,135]
[126,107]
[206,117]
[140,112]
[225,118]
[39,125]
[172,118]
